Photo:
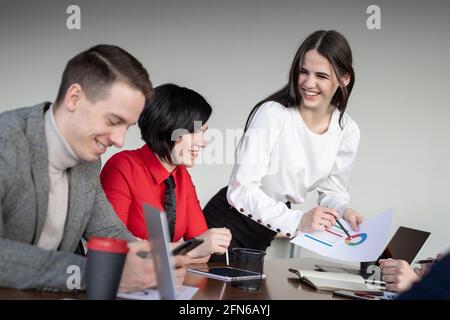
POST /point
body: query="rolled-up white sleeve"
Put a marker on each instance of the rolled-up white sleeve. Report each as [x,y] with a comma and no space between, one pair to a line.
[334,189]
[252,164]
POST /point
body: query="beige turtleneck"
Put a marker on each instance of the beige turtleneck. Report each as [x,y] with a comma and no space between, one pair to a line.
[60,159]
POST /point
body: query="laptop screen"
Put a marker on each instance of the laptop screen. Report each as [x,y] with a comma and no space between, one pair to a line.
[159,239]
[405,244]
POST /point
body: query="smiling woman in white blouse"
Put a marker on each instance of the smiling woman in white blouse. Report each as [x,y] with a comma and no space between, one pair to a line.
[297,140]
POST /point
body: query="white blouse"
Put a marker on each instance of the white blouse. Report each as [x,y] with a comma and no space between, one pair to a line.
[280,160]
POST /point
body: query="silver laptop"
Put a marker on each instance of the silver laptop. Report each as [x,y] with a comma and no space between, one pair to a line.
[162,257]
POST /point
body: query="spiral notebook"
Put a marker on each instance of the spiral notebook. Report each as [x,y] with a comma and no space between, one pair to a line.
[330,281]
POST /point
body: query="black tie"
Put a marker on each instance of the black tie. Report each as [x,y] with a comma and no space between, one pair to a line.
[170,204]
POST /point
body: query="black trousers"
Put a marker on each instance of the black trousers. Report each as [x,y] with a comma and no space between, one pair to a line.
[246,232]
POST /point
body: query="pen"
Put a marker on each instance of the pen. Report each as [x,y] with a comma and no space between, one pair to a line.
[342,227]
[226,253]
[375,282]
[426,261]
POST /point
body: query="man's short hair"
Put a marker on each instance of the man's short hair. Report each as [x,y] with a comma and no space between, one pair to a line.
[99,67]
[171,111]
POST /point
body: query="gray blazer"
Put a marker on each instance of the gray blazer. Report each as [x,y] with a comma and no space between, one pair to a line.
[24,189]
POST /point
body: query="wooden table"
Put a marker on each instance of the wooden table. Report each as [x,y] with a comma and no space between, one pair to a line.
[280,284]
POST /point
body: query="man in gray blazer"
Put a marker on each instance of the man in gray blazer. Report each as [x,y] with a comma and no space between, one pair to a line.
[50,196]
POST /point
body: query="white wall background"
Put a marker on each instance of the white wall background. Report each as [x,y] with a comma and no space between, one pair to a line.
[237,52]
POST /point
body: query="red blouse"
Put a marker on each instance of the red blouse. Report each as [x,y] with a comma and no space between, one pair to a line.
[133,177]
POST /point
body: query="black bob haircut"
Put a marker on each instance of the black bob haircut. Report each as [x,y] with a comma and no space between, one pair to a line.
[170,113]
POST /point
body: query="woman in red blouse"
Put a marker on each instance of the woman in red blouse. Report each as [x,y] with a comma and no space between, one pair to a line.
[172,125]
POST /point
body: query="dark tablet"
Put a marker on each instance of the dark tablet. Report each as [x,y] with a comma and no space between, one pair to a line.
[227,273]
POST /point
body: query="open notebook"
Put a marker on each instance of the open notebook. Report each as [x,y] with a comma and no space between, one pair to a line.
[331,281]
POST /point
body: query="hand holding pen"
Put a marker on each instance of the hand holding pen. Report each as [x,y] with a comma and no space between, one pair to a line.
[425,265]
[343,228]
[426,261]
[318,219]
[322,218]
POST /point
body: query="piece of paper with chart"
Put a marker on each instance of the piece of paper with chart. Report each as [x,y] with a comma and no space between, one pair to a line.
[183,293]
[365,245]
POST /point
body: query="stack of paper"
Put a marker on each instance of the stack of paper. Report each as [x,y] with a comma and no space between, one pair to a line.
[184,293]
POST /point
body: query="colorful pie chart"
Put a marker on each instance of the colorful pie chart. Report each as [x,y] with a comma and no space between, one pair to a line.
[356,239]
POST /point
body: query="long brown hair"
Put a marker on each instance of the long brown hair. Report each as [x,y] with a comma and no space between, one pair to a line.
[335,48]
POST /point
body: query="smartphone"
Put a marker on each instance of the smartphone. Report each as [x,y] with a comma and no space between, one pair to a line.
[187,246]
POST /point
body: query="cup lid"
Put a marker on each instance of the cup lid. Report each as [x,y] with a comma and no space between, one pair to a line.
[112,245]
